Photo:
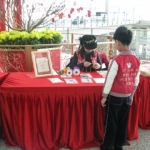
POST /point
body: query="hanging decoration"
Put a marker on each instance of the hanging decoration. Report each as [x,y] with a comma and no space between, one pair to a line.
[72,10]
[53,20]
[74,3]
[89,13]
[79,9]
[69,16]
[61,15]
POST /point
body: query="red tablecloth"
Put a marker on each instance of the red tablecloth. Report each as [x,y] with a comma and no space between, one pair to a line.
[2,78]
[144,109]
[40,115]
[133,117]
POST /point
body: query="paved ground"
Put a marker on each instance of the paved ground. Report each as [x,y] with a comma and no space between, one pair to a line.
[142,143]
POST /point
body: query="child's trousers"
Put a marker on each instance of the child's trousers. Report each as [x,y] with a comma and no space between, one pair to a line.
[117,110]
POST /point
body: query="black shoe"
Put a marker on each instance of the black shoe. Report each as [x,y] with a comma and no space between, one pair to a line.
[118,148]
[102,147]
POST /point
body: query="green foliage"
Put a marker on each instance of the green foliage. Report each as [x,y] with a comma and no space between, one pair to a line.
[35,37]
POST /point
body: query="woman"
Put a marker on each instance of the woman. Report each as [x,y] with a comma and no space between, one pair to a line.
[86,57]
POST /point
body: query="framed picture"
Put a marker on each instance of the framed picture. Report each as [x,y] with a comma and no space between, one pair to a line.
[55,54]
[42,63]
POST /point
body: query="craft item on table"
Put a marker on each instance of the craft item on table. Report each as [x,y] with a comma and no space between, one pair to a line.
[69,72]
[76,71]
[65,71]
[96,65]
[71,81]
[84,80]
[65,76]
[55,80]
[86,75]
[61,72]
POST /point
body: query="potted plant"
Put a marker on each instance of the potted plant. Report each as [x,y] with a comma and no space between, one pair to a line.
[15,52]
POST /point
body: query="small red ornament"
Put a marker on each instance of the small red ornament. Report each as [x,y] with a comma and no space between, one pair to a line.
[78,9]
[72,10]
[81,8]
[89,13]
[69,16]
[61,15]
[53,20]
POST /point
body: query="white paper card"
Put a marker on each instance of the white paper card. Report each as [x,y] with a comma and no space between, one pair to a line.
[99,80]
[66,76]
[71,81]
[55,80]
[86,75]
[103,66]
[86,80]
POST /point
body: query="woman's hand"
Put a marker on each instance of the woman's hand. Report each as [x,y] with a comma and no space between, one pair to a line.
[96,65]
[87,64]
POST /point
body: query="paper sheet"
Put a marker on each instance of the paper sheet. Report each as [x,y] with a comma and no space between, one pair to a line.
[99,80]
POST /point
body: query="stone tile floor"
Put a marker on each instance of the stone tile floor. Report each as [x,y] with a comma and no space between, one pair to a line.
[142,143]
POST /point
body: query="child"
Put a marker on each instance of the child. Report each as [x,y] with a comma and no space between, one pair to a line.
[86,57]
[120,84]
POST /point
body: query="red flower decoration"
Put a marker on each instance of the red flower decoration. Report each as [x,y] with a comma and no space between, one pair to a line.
[61,15]
[69,16]
[72,10]
[89,13]
[53,20]
[81,8]
[78,9]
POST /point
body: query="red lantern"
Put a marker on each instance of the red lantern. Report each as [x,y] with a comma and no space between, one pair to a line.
[78,9]
[81,8]
[89,13]
[72,10]
[69,16]
[53,20]
[61,15]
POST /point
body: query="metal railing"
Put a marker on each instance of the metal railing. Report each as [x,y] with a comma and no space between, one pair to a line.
[95,21]
[18,58]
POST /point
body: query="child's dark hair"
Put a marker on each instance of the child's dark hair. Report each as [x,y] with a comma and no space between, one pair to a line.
[124,35]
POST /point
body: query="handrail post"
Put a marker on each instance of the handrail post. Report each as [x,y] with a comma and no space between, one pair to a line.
[28,58]
[72,41]
[110,50]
